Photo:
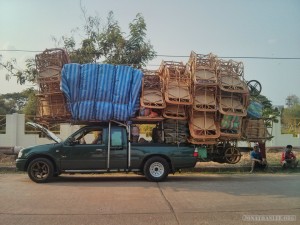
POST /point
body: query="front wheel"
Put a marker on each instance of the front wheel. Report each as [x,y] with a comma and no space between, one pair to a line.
[40,170]
[156,169]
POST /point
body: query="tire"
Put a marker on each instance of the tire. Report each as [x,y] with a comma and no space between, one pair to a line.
[232,155]
[156,169]
[254,87]
[40,170]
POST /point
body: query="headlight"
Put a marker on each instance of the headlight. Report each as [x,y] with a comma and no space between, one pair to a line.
[20,154]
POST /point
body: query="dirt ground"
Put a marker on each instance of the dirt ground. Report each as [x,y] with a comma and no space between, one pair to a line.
[272,158]
[7,160]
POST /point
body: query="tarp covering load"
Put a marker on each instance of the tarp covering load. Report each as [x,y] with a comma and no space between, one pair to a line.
[254,110]
[101,92]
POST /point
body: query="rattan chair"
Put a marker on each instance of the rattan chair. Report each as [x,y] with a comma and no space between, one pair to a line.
[203,125]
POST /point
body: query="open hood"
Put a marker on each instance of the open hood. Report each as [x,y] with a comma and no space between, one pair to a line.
[49,134]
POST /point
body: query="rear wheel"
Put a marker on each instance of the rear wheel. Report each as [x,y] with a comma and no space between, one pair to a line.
[40,170]
[232,155]
[156,169]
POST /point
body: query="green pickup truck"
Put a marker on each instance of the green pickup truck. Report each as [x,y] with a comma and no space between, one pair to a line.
[103,149]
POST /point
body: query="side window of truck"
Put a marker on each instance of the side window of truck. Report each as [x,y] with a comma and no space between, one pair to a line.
[93,136]
[116,138]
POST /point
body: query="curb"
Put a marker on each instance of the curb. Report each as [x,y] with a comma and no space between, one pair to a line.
[8,169]
[244,169]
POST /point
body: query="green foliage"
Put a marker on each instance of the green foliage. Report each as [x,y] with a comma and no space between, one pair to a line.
[105,42]
[31,104]
[269,112]
[292,112]
[108,43]
[292,100]
[291,119]
[17,102]
[136,47]
[5,107]
[28,74]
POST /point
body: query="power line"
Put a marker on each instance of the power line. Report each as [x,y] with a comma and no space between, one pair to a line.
[256,57]
[180,56]
[236,57]
[18,50]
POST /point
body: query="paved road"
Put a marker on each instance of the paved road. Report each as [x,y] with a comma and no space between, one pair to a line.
[186,199]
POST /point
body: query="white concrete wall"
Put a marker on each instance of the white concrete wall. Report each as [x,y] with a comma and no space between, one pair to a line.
[15,134]
[282,139]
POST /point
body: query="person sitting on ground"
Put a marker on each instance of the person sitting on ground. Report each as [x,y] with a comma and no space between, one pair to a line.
[257,161]
[288,158]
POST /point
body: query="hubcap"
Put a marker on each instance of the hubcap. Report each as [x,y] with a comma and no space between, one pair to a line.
[40,170]
[157,169]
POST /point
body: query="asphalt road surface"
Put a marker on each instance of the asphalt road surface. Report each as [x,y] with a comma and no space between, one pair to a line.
[185,199]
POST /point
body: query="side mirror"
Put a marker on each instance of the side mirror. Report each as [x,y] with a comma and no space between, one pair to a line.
[71,141]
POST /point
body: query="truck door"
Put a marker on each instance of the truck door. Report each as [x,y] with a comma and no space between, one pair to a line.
[86,151]
[118,149]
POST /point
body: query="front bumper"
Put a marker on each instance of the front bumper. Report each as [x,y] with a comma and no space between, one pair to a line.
[20,164]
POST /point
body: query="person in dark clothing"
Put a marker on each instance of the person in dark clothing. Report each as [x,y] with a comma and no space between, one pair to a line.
[257,161]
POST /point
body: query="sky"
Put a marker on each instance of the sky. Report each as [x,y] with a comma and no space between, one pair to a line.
[226,28]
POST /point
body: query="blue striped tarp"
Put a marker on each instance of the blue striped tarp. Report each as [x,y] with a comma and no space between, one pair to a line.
[101,92]
[70,82]
[135,93]
[87,90]
[104,93]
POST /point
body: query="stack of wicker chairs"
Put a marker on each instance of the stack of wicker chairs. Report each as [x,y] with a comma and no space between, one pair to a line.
[203,124]
[51,101]
[177,89]
[177,83]
[178,96]
[152,99]
[233,98]
[255,130]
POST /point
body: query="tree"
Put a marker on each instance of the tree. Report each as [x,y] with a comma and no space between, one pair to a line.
[292,100]
[18,102]
[100,42]
[31,103]
[109,43]
[291,119]
[269,112]
[28,74]
[4,107]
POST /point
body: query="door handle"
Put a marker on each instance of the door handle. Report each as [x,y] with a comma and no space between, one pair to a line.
[99,150]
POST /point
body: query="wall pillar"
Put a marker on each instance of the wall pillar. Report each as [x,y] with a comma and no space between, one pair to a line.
[12,129]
